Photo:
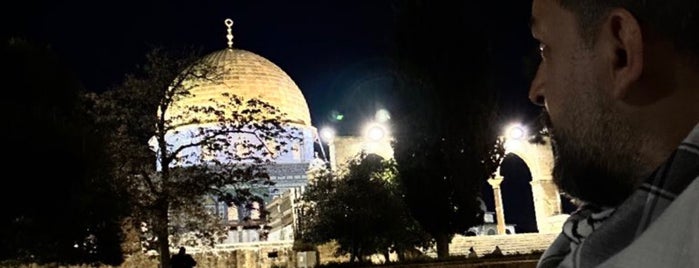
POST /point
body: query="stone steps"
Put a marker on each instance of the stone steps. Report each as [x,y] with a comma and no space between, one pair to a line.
[508,244]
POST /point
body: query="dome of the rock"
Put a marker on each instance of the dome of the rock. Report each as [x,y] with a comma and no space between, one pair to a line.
[248,75]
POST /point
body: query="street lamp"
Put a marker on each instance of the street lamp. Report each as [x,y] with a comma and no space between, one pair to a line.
[514,136]
[327,134]
[375,132]
[376,139]
[516,131]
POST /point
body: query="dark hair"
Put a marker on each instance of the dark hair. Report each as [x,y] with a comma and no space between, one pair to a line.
[676,20]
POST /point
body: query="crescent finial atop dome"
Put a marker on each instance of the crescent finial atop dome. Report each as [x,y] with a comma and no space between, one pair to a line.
[229,24]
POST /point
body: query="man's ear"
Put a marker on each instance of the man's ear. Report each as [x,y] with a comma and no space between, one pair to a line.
[625,37]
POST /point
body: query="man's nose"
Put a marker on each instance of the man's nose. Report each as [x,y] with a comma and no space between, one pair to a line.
[536,91]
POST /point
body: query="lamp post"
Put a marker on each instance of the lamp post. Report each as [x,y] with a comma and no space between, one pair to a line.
[514,134]
[328,135]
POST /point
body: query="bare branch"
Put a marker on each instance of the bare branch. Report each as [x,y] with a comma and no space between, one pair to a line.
[149,182]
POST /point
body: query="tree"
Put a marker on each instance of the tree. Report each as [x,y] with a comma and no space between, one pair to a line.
[174,155]
[361,209]
[445,136]
[60,207]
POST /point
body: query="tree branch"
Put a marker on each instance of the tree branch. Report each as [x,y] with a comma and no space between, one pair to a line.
[149,182]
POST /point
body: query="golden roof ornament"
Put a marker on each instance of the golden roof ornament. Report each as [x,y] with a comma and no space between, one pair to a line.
[229,24]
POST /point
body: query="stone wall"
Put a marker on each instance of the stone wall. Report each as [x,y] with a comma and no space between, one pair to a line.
[508,244]
[326,253]
[258,255]
[517,244]
[518,262]
[344,148]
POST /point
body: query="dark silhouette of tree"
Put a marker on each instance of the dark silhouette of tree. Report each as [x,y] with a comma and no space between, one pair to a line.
[58,203]
[447,128]
[361,209]
[173,155]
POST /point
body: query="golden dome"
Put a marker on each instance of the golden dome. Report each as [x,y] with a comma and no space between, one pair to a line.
[249,75]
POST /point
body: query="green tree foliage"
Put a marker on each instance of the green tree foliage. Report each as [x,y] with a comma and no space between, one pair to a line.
[361,209]
[445,135]
[171,180]
[58,205]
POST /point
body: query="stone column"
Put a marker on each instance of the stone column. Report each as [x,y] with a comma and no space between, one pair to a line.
[240,234]
[547,205]
[499,209]
[333,157]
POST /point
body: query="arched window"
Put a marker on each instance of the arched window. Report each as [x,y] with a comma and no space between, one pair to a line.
[233,213]
[255,211]
[241,147]
[296,150]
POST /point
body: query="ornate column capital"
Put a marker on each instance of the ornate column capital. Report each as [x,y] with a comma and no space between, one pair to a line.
[495,182]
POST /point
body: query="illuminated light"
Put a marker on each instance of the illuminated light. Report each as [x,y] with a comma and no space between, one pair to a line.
[375,132]
[382,115]
[327,134]
[514,136]
[335,115]
[515,132]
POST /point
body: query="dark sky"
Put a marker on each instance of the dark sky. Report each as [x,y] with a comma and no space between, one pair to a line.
[337,51]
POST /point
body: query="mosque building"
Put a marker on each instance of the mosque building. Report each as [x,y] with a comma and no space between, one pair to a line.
[248,75]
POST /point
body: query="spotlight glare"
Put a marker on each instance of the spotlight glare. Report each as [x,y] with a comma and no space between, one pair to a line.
[376,133]
[327,133]
[515,132]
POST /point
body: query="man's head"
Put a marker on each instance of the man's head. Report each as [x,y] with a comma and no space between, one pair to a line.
[675,20]
[182,251]
[610,70]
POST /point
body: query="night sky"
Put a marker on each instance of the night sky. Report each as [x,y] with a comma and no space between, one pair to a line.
[336,51]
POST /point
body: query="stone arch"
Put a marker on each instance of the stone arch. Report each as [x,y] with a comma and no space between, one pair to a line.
[547,202]
[518,199]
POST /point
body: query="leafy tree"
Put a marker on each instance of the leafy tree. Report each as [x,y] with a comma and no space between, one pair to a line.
[60,206]
[174,154]
[361,209]
[445,135]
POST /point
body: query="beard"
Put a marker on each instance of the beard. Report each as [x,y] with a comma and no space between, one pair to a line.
[595,159]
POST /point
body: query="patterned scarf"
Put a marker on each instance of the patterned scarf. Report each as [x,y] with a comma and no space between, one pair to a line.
[592,234]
